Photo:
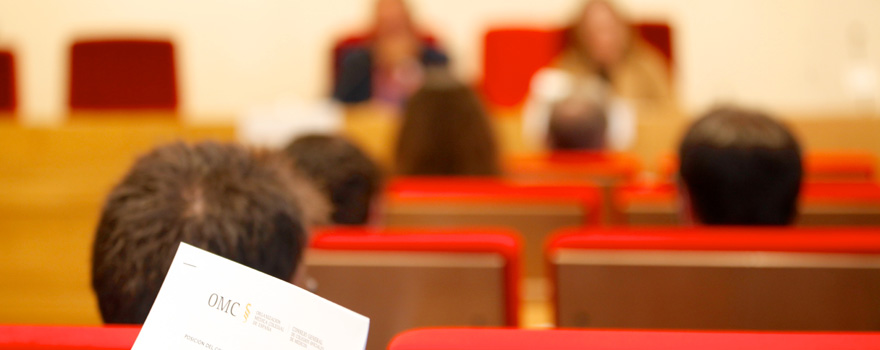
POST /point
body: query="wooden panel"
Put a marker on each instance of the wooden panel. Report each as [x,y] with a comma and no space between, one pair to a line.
[401,291]
[718,290]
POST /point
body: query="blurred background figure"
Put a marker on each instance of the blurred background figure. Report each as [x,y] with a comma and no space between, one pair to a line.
[604,57]
[446,131]
[349,178]
[391,65]
[740,167]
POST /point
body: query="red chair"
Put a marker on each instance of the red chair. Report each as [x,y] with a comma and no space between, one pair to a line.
[15,337]
[717,278]
[534,209]
[603,167]
[818,166]
[407,278]
[516,339]
[847,203]
[512,55]
[122,74]
[8,96]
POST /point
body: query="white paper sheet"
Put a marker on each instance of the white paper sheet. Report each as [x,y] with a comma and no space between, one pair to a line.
[208,302]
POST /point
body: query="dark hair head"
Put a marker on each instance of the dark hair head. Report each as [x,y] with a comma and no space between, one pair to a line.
[741,168]
[346,174]
[577,124]
[218,197]
[445,131]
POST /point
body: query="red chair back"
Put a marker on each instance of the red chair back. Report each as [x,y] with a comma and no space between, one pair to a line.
[534,209]
[14,337]
[847,203]
[717,278]
[399,278]
[8,96]
[511,56]
[524,339]
[818,165]
[122,74]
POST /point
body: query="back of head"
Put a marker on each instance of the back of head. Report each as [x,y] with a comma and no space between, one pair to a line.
[741,168]
[221,198]
[577,123]
[346,174]
[445,131]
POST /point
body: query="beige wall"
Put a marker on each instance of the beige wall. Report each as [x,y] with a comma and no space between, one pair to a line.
[786,55]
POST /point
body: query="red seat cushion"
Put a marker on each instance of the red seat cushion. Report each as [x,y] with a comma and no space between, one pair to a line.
[515,339]
[499,241]
[67,337]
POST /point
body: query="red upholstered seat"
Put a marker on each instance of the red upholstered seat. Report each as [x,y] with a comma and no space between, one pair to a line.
[409,278]
[505,243]
[783,239]
[8,98]
[822,203]
[818,165]
[122,74]
[516,339]
[575,165]
[491,190]
[19,337]
[512,55]
[804,279]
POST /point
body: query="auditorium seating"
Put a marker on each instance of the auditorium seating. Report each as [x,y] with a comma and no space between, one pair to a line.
[511,55]
[848,203]
[818,166]
[19,337]
[522,339]
[8,98]
[602,167]
[717,278]
[407,278]
[122,75]
[534,209]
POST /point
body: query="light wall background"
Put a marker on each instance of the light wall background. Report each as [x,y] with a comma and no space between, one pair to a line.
[789,56]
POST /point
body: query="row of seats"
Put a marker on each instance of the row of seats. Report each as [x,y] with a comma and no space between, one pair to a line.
[141,74]
[119,338]
[781,279]
[695,278]
[537,208]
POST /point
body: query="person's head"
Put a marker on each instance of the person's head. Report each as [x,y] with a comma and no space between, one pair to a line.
[218,197]
[601,33]
[342,170]
[445,131]
[392,17]
[579,121]
[740,167]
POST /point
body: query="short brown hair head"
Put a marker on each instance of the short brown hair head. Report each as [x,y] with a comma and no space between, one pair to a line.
[218,197]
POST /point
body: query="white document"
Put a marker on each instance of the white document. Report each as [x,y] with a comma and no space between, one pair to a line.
[208,302]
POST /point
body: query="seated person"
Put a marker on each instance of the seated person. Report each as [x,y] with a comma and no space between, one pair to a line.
[603,53]
[390,68]
[343,171]
[221,198]
[577,124]
[445,131]
[740,167]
